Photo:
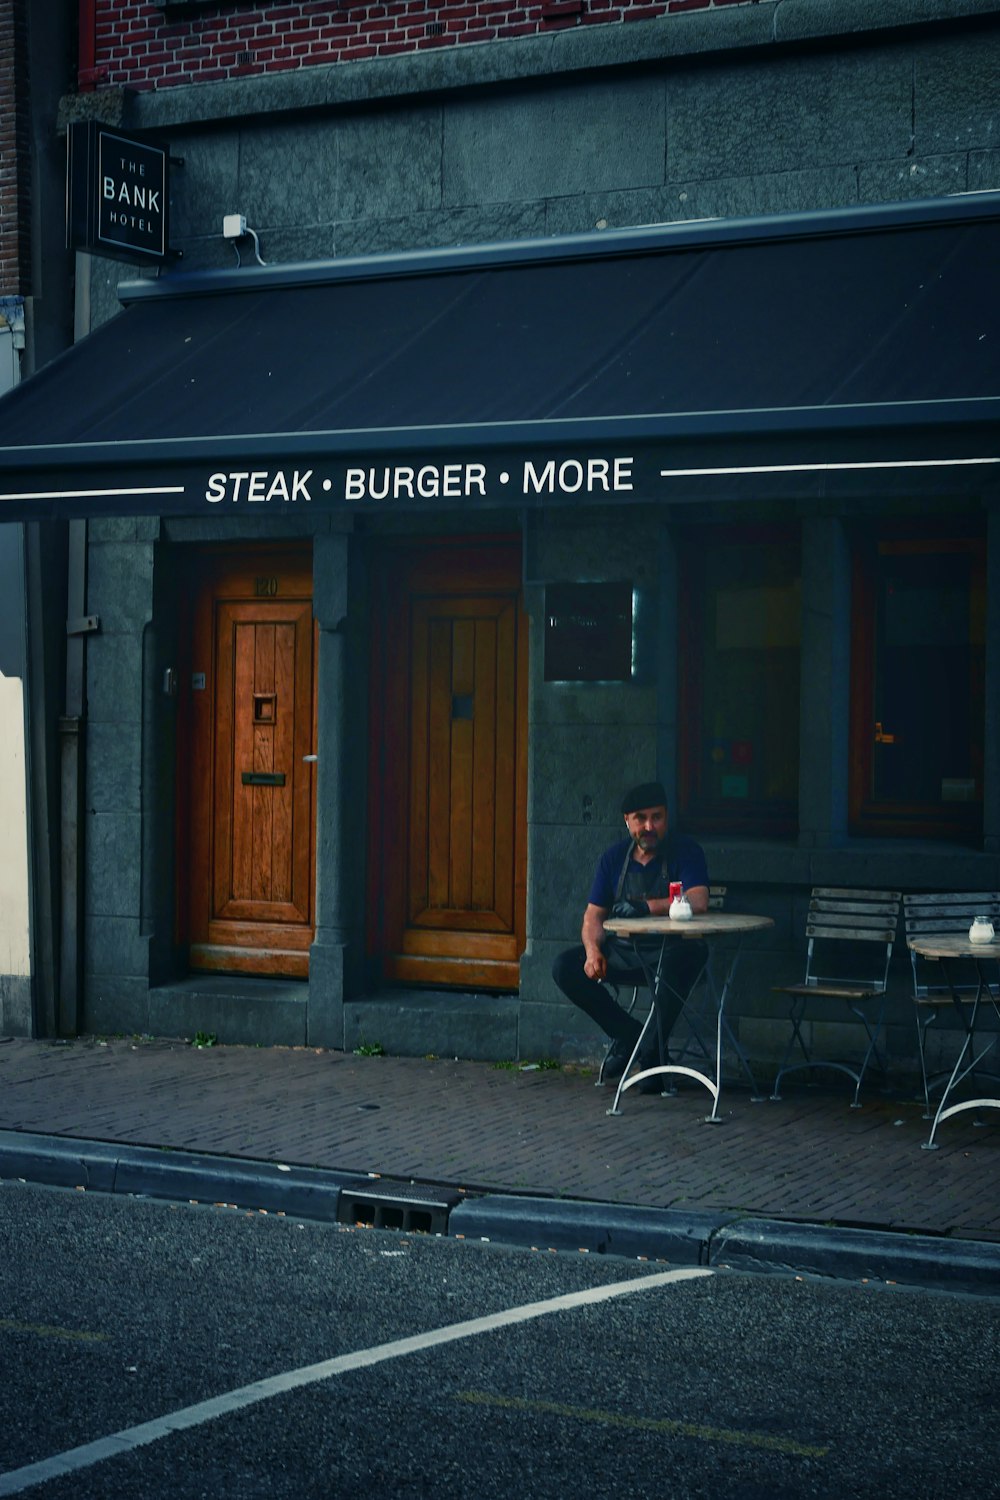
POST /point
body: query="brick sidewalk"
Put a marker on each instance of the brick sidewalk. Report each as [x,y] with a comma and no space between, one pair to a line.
[809,1158]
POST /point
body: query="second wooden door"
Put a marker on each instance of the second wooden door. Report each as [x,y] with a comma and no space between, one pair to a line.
[447,862]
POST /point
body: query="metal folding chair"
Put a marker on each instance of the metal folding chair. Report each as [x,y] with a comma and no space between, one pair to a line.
[695,1014]
[843,927]
[935,914]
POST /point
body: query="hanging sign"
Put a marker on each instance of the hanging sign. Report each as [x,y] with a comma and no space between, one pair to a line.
[117,194]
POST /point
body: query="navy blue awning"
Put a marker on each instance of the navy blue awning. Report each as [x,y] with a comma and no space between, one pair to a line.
[821,344]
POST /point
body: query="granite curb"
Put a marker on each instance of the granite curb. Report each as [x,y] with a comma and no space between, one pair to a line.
[695,1238]
[859,1255]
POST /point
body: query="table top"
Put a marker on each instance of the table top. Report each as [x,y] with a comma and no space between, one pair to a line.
[952,945]
[703,924]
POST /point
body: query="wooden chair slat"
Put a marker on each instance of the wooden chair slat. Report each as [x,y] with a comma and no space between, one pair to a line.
[944,901]
[839,991]
[857,908]
[953,922]
[850,894]
[880,934]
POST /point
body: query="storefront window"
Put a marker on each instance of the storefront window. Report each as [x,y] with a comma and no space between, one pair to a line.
[919,611]
[740,609]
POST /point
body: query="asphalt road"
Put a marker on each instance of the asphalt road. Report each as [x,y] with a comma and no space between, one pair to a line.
[118,1313]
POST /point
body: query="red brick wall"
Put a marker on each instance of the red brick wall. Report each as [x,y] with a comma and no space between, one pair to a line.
[15,161]
[135,45]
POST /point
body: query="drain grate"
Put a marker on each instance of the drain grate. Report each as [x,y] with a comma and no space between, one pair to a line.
[411,1208]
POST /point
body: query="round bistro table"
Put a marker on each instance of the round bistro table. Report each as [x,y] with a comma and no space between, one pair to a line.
[946,948]
[708,927]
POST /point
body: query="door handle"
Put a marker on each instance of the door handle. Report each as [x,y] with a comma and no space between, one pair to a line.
[263,778]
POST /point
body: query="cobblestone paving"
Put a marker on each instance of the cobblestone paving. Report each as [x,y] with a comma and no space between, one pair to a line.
[474,1125]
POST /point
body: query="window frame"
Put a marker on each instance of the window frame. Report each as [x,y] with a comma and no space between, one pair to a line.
[775,820]
[867,818]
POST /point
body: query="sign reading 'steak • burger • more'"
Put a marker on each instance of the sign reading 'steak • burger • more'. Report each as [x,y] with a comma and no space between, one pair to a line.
[117,194]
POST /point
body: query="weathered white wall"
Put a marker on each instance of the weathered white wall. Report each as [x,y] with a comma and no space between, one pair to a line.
[14,948]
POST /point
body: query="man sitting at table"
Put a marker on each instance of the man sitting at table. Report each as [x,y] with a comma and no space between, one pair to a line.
[633,880]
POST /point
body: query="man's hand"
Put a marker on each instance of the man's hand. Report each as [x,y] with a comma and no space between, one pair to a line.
[595,965]
[630,909]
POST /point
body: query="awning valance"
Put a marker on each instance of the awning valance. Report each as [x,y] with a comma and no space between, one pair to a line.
[807,346]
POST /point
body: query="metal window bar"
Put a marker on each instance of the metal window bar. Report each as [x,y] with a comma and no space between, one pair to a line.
[839,918]
[934,914]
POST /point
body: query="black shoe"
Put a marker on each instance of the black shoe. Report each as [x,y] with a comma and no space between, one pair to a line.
[617,1059]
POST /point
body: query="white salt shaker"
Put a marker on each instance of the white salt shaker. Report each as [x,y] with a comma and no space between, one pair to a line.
[981,930]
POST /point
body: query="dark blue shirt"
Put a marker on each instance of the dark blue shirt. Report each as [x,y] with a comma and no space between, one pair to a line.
[680,856]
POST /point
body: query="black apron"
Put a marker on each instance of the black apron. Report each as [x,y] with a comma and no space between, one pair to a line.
[646,882]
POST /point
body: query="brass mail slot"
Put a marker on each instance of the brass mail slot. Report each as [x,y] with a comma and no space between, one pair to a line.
[263,778]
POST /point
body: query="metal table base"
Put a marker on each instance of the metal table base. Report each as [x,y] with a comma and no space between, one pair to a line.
[708,926]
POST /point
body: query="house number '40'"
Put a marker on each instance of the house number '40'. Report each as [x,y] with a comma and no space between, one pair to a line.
[265,588]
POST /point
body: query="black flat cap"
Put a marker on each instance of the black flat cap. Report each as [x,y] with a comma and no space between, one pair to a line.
[648,794]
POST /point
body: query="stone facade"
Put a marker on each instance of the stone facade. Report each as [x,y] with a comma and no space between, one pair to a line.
[578,125]
[746,110]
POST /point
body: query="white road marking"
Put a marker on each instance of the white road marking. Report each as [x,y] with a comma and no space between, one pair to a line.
[16,1481]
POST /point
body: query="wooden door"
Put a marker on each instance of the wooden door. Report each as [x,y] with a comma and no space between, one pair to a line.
[249,802]
[449,713]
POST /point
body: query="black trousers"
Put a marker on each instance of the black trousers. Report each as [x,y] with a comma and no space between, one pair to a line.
[683,961]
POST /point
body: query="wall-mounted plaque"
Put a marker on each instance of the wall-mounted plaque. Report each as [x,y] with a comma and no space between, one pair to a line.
[588,632]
